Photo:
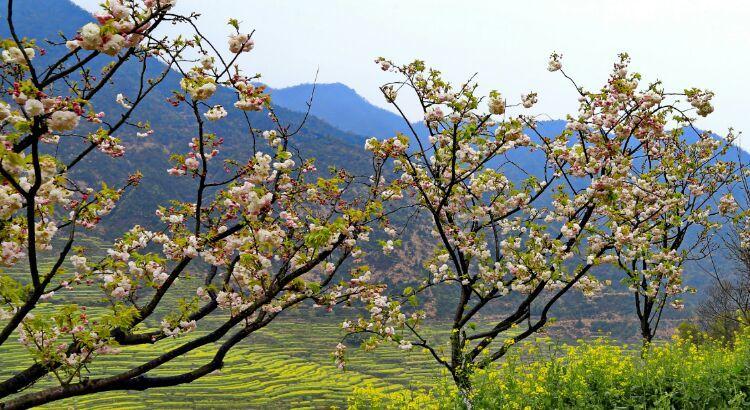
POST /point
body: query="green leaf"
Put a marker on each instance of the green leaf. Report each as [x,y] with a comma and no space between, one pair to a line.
[413,300]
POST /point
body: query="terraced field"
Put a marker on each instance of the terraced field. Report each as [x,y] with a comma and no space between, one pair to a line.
[285,366]
[288,364]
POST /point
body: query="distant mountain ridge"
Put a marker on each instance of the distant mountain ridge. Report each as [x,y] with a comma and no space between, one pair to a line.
[342,107]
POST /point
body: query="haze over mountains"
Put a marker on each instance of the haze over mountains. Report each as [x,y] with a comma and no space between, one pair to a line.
[340,121]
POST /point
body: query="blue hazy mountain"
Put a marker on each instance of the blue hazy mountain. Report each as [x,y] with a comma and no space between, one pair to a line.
[343,108]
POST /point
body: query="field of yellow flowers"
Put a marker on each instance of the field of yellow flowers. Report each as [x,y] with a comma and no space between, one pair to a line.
[596,375]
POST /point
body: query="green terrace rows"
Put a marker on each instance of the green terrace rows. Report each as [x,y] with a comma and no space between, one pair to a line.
[286,365]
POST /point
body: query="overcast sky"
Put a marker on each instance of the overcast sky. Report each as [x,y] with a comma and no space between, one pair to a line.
[685,43]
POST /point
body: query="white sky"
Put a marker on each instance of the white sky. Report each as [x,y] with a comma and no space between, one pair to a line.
[685,43]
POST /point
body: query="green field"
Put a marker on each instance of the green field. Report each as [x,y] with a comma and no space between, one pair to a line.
[288,364]
[285,365]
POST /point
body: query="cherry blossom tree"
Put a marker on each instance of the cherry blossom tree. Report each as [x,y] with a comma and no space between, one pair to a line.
[270,234]
[605,191]
[690,183]
[726,306]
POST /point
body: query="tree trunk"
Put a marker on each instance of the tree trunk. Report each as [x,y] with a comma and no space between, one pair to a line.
[462,379]
[646,336]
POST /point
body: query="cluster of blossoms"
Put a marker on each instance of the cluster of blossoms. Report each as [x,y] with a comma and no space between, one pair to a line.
[555,63]
[89,210]
[239,43]
[107,144]
[700,100]
[202,80]
[59,114]
[385,319]
[497,103]
[528,100]
[251,97]
[17,56]
[184,326]
[127,268]
[50,336]
[52,194]
[216,113]
[198,86]
[199,152]
[121,24]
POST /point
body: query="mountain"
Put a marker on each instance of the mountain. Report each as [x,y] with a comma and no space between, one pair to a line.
[343,108]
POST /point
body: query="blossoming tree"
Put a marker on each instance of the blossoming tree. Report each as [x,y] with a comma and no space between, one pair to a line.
[522,244]
[690,186]
[726,306]
[261,237]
